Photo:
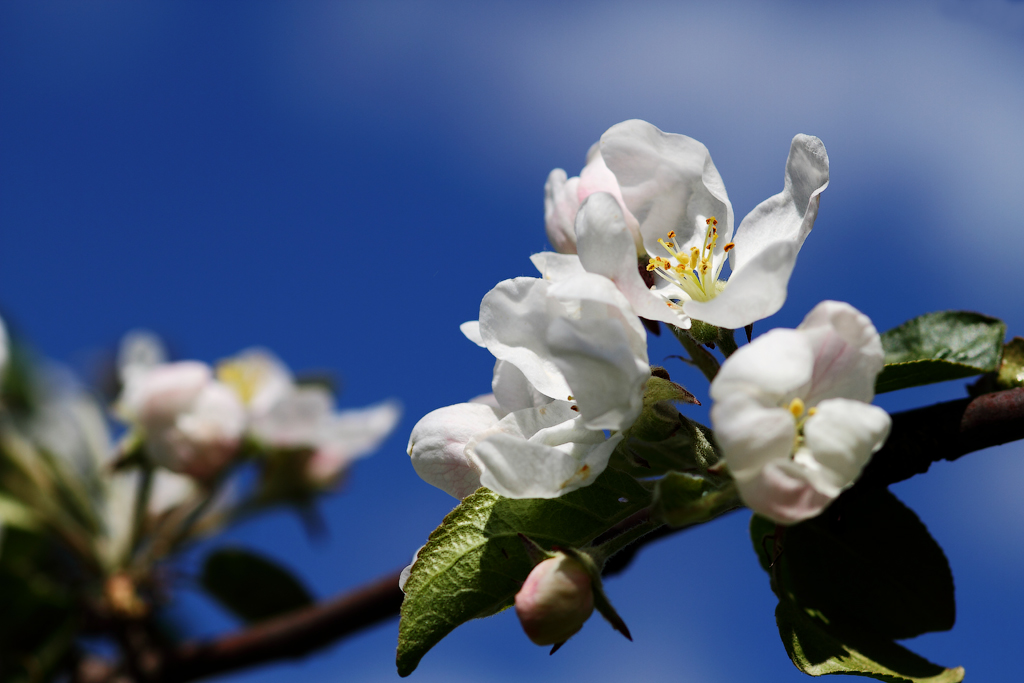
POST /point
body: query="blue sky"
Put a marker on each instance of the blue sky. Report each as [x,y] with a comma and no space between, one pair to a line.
[342,182]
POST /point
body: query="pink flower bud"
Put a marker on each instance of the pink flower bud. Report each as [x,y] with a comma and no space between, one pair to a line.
[555,600]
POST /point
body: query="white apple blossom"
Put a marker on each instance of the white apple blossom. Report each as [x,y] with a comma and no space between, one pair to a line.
[668,185]
[286,415]
[574,338]
[191,422]
[516,442]
[792,412]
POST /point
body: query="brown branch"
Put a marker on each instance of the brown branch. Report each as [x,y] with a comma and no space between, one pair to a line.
[945,431]
[289,636]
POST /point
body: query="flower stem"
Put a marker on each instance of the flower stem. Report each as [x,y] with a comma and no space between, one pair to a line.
[699,355]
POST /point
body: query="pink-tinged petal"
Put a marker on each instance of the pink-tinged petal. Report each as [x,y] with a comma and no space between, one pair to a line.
[775,366]
[561,201]
[605,247]
[555,267]
[437,446]
[668,182]
[159,395]
[847,351]
[597,177]
[841,436]
[781,492]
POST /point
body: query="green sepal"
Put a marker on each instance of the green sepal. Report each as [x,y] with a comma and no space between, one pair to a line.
[251,586]
[663,440]
[660,389]
[941,346]
[601,602]
[474,563]
[682,499]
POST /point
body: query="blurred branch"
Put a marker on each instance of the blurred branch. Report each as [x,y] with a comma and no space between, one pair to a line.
[289,636]
[944,431]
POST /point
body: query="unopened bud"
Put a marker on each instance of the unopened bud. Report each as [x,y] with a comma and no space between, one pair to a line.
[555,600]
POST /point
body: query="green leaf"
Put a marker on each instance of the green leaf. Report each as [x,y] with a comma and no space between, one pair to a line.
[860,575]
[251,586]
[474,563]
[816,650]
[936,347]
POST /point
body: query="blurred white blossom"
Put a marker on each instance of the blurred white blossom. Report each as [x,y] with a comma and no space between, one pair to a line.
[285,415]
[792,412]
[191,422]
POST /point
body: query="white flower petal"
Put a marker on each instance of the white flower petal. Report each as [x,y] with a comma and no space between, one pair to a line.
[159,395]
[543,468]
[514,319]
[788,216]
[513,391]
[259,377]
[606,248]
[437,446]
[841,437]
[555,267]
[777,365]
[471,330]
[751,294]
[140,351]
[606,376]
[668,182]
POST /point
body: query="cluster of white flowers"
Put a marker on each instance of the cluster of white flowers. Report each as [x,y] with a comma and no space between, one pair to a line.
[644,232]
[193,418]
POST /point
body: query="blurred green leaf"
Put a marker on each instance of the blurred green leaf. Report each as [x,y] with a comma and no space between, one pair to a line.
[251,586]
[941,346]
[474,563]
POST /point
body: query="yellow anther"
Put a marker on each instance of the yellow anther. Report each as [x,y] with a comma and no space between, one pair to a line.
[651,266]
[811,411]
[570,399]
[671,234]
[729,247]
[796,407]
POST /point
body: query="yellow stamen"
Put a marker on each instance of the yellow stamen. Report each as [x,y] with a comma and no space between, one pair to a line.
[796,407]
